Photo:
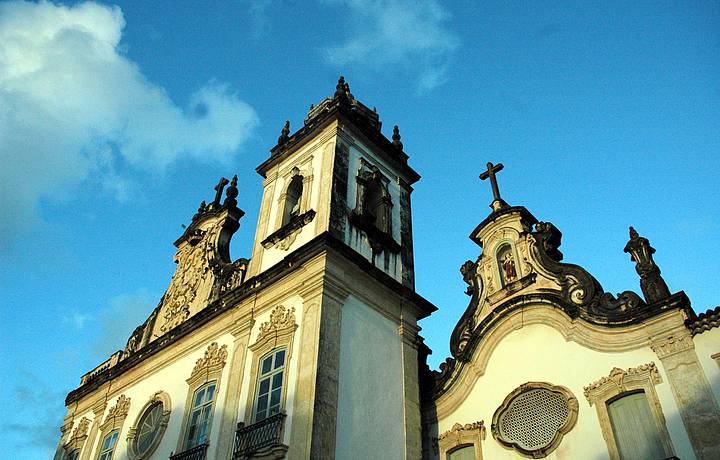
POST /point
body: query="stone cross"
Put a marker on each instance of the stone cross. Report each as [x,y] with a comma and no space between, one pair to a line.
[490,174]
[219,189]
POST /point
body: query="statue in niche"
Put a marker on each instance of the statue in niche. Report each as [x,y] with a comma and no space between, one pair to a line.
[508,270]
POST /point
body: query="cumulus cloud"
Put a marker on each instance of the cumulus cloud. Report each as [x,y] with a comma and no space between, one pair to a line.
[398,32]
[73,104]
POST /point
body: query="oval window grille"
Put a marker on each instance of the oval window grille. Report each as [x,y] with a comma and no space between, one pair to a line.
[534,418]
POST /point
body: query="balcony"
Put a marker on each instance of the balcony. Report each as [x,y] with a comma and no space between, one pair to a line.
[194,453]
[261,440]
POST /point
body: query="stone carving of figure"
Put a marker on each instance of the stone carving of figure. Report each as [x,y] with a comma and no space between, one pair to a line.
[509,267]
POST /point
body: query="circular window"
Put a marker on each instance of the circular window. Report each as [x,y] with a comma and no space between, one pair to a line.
[148,428]
[534,418]
[145,436]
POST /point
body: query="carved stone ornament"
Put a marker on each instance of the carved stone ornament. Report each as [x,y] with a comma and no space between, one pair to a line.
[673,344]
[79,434]
[281,324]
[462,435]
[120,409]
[457,428]
[214,357]
[533,419]
[618,379]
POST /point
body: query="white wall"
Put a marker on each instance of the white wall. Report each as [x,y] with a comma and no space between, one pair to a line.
[540,353]
[706,345]
[370,388]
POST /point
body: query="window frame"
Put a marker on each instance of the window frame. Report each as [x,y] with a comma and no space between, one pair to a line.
[208,369]
[278,332]
[270,375]
[201,407]
[306,177]
[163,399]
[111,450]
[621,383]
[470,434]
[114,421]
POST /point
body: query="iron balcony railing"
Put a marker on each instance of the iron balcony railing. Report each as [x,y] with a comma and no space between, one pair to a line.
[194,453]
[252,438]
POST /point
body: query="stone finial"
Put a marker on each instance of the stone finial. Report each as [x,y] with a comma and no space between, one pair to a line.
[342,89]
[652,284]
[396,138]
[284,133]
[231,193]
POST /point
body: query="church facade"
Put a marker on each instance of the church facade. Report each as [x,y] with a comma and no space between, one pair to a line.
[310,348]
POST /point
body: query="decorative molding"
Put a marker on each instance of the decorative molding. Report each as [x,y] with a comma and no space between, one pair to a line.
[462,435]
[281,321]
[215,357]
[120,409]
[79,435]
[284,237]
[452,385]
[620,381]
[541,451]
[679,342]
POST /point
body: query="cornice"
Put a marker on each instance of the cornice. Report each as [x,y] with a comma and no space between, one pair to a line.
[229,300]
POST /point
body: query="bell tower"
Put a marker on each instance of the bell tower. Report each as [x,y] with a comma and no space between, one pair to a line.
[338,174]
[335,229]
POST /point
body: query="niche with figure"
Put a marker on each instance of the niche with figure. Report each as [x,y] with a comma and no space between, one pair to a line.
[506,264]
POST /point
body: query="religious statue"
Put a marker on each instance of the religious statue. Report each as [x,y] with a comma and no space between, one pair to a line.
[509,268]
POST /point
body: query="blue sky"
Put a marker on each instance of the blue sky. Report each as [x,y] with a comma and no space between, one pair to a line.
[117,119]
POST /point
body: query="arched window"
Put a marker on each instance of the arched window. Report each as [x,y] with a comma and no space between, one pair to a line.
[292,199]
[108,446]
[466,452]
[270,384]
[200,416]
[634,428]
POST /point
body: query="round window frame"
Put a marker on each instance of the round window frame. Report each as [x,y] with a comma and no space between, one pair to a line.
[544,451]
[159,398]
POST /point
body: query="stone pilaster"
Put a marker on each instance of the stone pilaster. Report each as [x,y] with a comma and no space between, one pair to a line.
[413,426]
[64,429]
[328,369]
[228,421]
[98,411]
[691,389]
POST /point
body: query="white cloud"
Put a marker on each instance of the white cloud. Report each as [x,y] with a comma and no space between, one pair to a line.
[398,32]
[72,104]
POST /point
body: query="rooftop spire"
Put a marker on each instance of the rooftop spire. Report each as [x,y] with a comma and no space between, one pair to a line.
[396,138]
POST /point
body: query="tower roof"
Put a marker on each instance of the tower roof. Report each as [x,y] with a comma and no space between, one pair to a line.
[341,104]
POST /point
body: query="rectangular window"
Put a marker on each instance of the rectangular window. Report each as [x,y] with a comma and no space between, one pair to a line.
[200,415]
[634,428]
[270,383]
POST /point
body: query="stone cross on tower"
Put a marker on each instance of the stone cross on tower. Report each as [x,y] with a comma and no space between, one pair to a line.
[498,202]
